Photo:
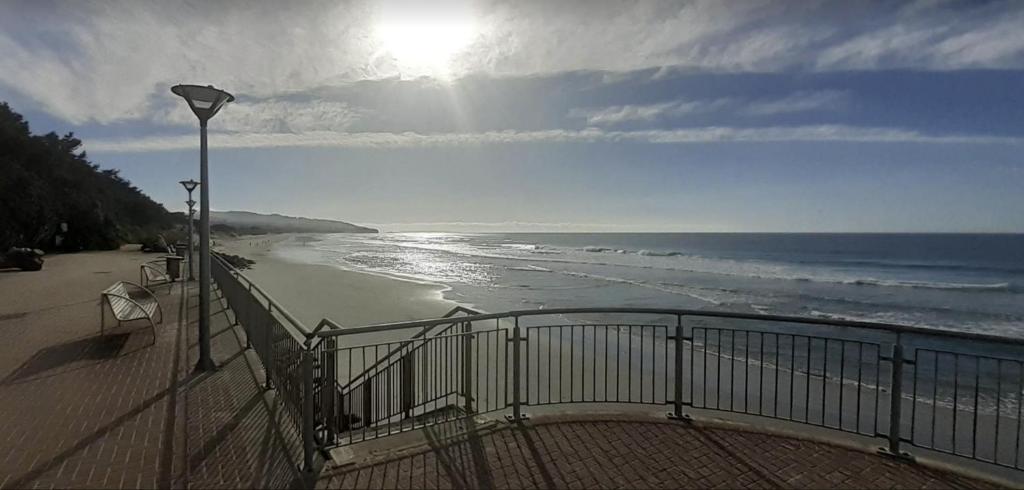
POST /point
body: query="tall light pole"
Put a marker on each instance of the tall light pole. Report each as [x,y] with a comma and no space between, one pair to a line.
[190,185]
[205,102]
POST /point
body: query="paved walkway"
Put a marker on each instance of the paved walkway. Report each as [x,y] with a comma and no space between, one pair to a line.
[80,409]
[124,410]
[614,452]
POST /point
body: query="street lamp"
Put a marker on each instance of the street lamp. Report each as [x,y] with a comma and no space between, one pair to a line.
[190,185]
[205,102]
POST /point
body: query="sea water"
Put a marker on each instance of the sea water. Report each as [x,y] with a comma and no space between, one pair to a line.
[971,282]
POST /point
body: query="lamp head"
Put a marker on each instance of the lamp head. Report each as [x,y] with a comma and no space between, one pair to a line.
[205,102]
[190,185]
[190,203]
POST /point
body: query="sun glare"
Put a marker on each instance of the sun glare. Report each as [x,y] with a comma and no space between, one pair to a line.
[424,43]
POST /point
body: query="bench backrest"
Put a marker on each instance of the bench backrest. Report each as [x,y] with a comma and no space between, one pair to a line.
[117,289]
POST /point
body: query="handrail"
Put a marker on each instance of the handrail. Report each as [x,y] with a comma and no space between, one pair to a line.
[421,333]
[888,327]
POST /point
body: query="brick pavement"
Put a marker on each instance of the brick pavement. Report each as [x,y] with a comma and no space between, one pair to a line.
[80,409]
[618,452]
[235,437]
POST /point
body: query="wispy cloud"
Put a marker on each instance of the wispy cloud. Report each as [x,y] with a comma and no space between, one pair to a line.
[819,133]
[798,102]
[801,101]
[272,116]
[607,116]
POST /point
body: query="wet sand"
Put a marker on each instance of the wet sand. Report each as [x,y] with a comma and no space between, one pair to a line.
[312,292]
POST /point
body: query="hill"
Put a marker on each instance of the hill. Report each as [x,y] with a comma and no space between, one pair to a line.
[52,197]
[247,222]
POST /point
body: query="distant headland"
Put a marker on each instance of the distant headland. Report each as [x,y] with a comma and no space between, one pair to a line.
[245,222]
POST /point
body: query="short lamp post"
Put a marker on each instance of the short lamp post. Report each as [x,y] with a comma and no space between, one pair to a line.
[205,102]
[190,185]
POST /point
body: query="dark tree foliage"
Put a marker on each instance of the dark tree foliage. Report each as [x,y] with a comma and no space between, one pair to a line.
[44,182]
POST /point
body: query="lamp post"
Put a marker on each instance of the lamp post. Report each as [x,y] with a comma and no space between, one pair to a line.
[190,185]
[205,102]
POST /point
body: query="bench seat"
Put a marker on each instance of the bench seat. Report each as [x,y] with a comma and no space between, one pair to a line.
[129,301]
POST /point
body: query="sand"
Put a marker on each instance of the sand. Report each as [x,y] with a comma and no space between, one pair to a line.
[349,298]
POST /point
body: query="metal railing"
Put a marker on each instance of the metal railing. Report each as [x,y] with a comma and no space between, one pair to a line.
[953,392]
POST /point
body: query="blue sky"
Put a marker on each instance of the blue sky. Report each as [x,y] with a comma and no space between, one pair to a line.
[556,116]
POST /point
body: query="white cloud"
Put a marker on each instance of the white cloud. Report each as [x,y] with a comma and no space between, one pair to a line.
[798,102]
[606,116]
[271,116]
[332,139]
[115,61]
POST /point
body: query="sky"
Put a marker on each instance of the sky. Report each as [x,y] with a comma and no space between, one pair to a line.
[797,116]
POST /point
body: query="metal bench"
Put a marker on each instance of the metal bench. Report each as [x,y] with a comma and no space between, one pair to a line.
[138,304]
[154,273]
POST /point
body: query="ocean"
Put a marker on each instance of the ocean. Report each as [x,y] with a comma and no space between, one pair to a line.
[971,282]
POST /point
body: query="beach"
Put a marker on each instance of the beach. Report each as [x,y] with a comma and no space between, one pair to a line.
[312,292]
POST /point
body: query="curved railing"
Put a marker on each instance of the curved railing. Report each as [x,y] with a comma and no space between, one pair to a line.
[958,392]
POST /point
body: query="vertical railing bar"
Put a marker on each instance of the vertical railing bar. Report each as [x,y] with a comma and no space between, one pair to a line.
[718,373]
[935,395]
[629,365]
[999,409]
[956,395]
[476,359]
[550,353]
[366,416]
[704,367]
[606,363]
[678,380]
[913,397]
[807,383]
[878,383]
[619,349]
[693,372]
[1020,411]
[792,374]
[390,394]
[572,363]
[842,380]
[860,369]
[593,374]
[504,333]
[654,364]
[760,377]
[824,381]
[746,371]
[896,397]
[516,405]
[732,371]
[974,423]
[778,351]
[642,329]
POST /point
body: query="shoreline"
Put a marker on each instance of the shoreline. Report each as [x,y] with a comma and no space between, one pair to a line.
[350,298]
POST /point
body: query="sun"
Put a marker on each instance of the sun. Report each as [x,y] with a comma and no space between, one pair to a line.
[424,42]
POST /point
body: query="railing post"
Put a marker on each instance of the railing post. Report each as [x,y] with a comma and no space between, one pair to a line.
[308,424]
[467,365]
[517,413]
[329,390]
[268,348]
[896,398]
[677,402]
